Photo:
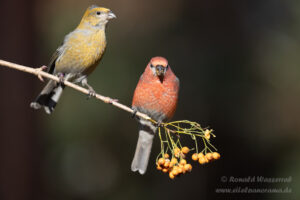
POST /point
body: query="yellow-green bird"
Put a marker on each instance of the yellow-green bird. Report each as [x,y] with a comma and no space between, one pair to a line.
[77,57]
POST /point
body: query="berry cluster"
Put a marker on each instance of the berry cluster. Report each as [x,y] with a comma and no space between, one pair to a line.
[203,159]
[177,165]
[170,135]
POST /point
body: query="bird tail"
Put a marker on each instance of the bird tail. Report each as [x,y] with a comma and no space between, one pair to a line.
[143,148]
[49,97]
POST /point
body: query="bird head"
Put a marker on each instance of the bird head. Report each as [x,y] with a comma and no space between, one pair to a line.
[96,16]
[159,67]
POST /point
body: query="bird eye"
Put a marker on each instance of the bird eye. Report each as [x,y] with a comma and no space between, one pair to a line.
[151,66]
[98,13]
[167,66]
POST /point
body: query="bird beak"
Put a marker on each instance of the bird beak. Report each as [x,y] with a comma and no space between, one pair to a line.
[111,15]
[160,72]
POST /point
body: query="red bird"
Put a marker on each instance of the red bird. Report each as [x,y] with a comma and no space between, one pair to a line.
[155,95]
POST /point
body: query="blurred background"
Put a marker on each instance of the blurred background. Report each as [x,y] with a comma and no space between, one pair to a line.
[238,63]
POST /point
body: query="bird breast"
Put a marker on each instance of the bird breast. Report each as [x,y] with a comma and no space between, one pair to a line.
[159,100]
[81,51]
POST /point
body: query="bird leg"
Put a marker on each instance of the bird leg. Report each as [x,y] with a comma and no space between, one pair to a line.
[134,113]
[92,92]
[61,77]
[42,68]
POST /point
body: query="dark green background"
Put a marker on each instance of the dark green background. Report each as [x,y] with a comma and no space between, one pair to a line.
[238,63]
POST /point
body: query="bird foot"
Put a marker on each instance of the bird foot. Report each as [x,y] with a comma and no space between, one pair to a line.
[91,93]
[134,113]
[40,69]
[61,78]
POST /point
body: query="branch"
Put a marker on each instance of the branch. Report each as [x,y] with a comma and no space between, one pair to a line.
[105,99]
[177,165]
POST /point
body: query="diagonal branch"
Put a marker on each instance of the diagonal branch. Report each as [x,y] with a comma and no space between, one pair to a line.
[183,127]
[105,99]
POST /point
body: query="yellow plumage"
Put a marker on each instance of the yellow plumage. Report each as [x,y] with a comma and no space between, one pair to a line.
[78,56]
[83,48]
[81,52]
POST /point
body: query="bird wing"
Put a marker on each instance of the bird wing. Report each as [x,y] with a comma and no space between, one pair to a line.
[59,51]
[53,59]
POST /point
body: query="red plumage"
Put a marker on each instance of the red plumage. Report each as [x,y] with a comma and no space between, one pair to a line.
[155,95]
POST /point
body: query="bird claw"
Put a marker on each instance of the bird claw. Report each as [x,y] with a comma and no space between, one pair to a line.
[40,69]
[134,113]
[91,93]
[61,78]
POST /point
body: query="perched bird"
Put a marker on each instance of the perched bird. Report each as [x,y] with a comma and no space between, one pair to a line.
[77,57]
[155,95]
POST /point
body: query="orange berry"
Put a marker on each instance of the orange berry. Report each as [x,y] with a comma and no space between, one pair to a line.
[175,172]
[216,155]
[171,165]
[167,163]
[161,161]
[183,169]
[207,134]
[206,160]
[195,157]
[179,169]
[171,175]
[188,167]
[165,170]
[166,155]
[185,150]
[174,160]
[209,156]
[182,161]
[176,152]
[200,155]
[158,167]
[202,160]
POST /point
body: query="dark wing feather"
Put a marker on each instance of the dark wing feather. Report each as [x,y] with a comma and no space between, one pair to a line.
[51,66]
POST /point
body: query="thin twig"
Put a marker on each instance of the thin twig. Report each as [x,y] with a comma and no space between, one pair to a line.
[74,86]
